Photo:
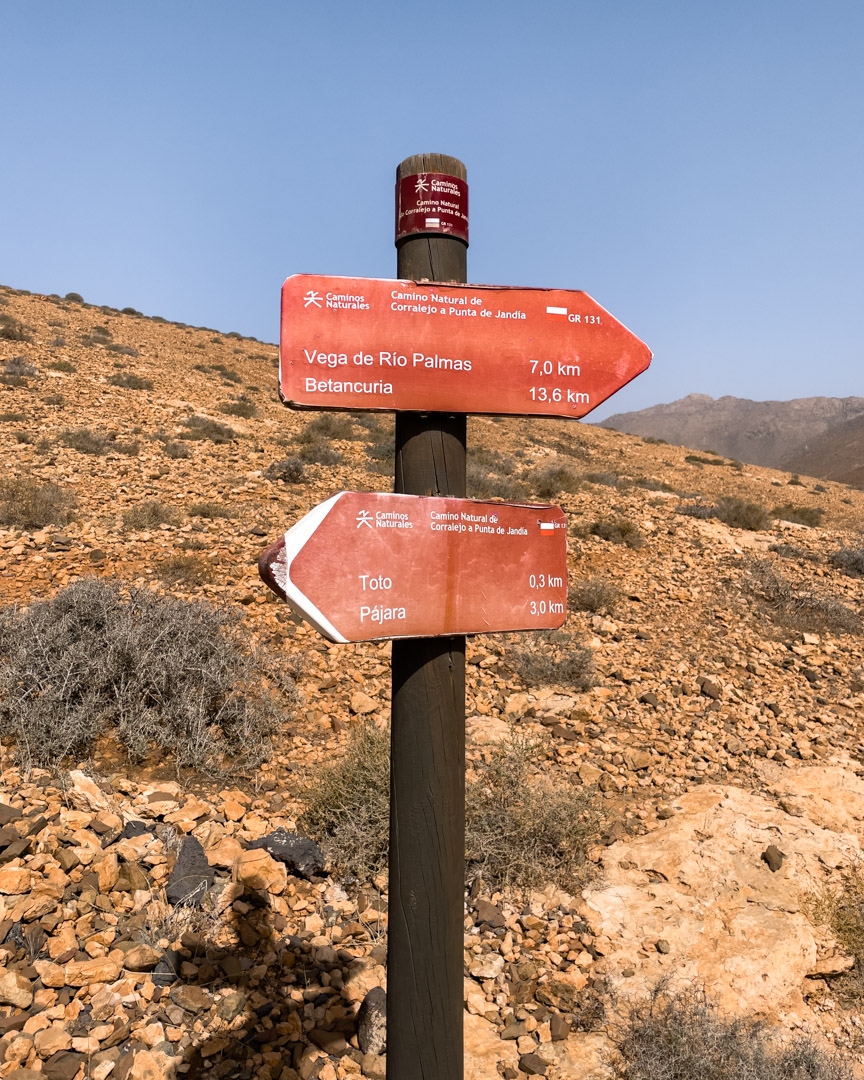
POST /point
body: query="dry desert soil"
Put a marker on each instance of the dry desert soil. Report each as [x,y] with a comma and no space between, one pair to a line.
[717,734]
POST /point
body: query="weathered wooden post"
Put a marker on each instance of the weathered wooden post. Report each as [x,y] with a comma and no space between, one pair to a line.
[427,754]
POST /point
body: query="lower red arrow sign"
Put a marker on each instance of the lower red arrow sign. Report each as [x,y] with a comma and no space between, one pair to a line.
[366,567]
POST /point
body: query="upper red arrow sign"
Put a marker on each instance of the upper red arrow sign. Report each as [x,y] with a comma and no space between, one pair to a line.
[365,567]
[370,343]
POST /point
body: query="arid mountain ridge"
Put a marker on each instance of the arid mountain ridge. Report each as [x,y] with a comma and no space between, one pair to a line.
[706,694]
[818,436]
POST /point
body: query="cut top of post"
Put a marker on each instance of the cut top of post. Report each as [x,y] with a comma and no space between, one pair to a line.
[431,198]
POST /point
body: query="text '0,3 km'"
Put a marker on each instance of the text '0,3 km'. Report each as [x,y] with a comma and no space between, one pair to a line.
[365,567]
[371,343]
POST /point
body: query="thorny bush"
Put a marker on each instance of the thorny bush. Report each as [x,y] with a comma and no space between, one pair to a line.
[519,830]
[159,674]
[683,1036]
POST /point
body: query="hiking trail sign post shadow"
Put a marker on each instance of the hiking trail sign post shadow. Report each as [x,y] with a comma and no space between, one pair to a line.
[432,349]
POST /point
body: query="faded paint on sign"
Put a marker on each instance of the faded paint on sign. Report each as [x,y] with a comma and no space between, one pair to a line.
[377,344]
[365,567]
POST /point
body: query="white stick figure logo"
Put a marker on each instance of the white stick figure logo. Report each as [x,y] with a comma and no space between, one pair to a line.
[420,184]
[364,518]
[311,298]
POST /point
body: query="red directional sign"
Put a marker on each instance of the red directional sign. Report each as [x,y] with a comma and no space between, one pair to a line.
[365,567]
[369,343]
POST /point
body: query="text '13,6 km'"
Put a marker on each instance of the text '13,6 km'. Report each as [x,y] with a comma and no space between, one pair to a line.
[371,343]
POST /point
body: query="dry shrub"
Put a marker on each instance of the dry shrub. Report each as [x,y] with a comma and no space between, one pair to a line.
[328,426]
[553,481]
[11,329]
[289,470]
[594,594]
[130,449]
[84,440]
[31,504]
[737,513]
[683,1036]
[348,804]
[202,427]
[799,515]
[319,454]
[617,531]
[695,459]
[381,451]
[158,673]
[603,479]
[842,910]
[792,551]
[150,514]
[242,408]
[850,561]
[16,371]
[553,659]
[521,830]
[482,484]
[741,514]
[700,510]
[229,374]
[60,365]
[491,460]
[799,609]
[175,450]
[185,570]
[209,510]
[129,380]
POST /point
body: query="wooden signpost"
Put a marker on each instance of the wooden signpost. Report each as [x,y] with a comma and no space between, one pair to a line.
[424,566]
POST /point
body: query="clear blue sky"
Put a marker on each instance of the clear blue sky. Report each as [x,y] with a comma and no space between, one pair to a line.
[695,166]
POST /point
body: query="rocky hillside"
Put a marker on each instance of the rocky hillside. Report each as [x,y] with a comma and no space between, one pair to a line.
[773,433]
[838,454]
[160,924]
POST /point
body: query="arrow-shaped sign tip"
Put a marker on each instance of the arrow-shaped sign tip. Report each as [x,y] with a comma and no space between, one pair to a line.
[273,568]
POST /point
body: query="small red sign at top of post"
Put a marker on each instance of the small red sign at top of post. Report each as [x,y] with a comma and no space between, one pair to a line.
[371,343]
[431,202]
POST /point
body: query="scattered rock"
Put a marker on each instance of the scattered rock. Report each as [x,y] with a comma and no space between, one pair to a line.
[773,857]
[361,704]
[489,914]
[302,857]
[487,966]
[8,813]
[372,1022]
[141,958]
[83,972]
[258,870]
[15,989]
[191,998]
[533,1065]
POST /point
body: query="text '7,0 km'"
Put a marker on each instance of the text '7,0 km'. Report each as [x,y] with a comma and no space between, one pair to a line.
[370,343]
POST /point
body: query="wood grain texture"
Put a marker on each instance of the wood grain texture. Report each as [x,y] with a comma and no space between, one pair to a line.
[427,762]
